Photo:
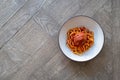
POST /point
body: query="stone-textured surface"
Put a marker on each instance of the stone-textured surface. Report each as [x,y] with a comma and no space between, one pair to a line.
[29,47]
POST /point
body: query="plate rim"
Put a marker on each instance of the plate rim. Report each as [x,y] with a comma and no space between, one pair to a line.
[66,22]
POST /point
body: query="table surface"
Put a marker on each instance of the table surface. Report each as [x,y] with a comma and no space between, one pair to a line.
[29,48]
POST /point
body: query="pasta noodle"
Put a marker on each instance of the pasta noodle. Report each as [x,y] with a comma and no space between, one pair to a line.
[79,39]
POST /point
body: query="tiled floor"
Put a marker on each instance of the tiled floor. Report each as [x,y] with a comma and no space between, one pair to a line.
[29,47]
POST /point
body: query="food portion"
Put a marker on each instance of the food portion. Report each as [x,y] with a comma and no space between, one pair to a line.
[79,39]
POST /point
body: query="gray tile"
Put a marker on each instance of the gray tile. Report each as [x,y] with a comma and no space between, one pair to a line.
[8,8]
[29,40]
[6,62]
[58,12]
[18,20]
[116,38]
[91,7]
[40,58]
[46,22]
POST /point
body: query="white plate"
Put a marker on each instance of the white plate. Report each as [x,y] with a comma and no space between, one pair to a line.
[90,24]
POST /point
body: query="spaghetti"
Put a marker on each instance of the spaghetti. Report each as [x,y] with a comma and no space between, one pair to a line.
[79,39]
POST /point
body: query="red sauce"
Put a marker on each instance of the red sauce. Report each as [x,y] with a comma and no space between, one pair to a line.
[79,39]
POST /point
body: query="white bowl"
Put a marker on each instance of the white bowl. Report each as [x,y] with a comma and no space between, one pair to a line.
[90,24]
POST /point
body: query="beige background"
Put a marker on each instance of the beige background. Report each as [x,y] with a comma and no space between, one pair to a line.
[29,47]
